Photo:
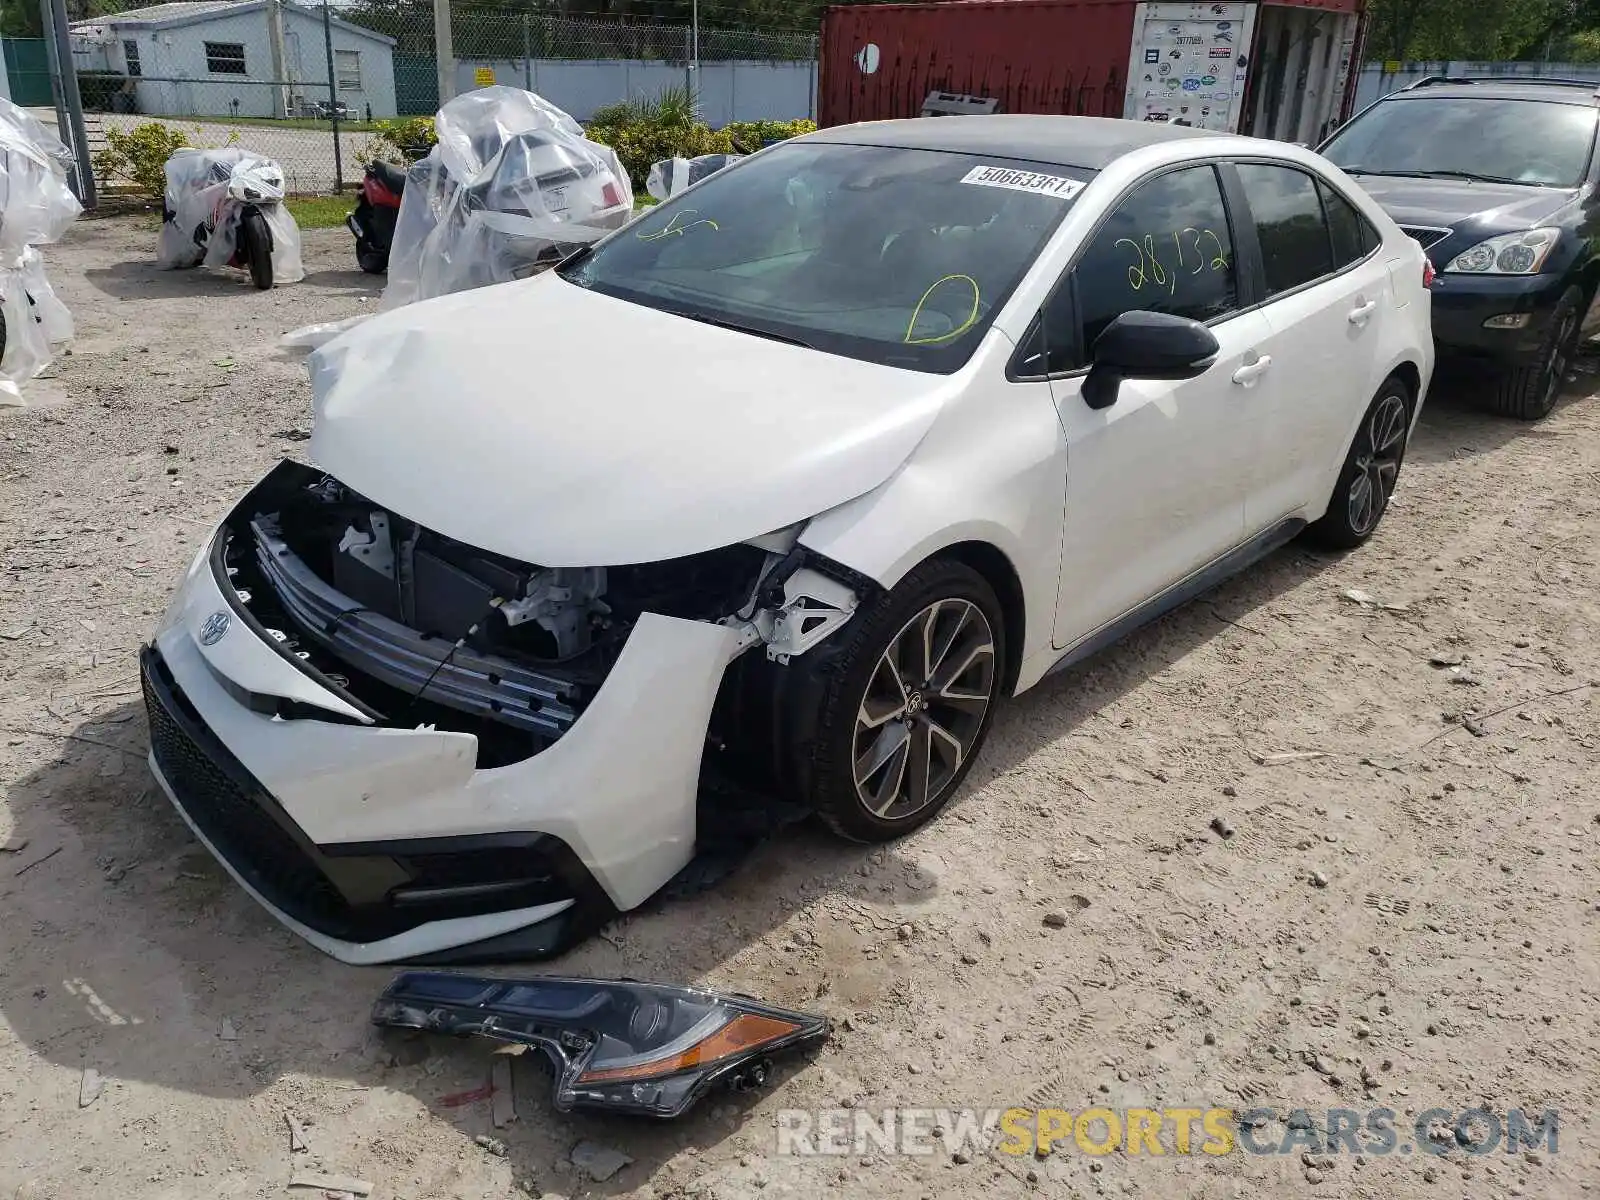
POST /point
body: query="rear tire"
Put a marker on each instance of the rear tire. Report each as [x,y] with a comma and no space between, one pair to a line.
[257,248]
[370,260]
[916,719]
[1371,471]
[1529,393]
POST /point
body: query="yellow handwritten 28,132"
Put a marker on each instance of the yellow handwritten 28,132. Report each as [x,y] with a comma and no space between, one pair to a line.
[1205,250]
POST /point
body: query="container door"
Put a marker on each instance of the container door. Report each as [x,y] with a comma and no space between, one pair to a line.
[1299,73]
[1189,63]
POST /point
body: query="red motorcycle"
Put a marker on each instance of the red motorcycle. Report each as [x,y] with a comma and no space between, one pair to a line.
[377,209]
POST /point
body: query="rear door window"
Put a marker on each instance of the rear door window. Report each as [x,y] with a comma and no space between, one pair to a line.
[1353,235]
[1296,246]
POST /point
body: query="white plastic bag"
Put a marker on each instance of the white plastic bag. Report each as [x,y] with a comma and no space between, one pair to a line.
[309,337]
[206,194]
[512,186]
[672,175]
[36,207]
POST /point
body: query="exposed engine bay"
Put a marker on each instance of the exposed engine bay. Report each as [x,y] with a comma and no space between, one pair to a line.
[412,627]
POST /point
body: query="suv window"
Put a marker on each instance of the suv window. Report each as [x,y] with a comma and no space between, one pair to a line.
[1353,235]
[1165,248]
[1295,243]
[1540,142]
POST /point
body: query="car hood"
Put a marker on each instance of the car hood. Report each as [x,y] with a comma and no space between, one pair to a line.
[1444,203]
[562,427]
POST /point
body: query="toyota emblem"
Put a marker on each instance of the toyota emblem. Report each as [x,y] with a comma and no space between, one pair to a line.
[215,628]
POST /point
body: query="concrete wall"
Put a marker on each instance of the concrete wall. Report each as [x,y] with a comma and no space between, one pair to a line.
[729,91]
[1376,83]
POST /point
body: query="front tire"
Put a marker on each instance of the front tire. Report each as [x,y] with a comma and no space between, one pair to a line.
[1371,471]
[907,703]
[1530,393]
[257,248]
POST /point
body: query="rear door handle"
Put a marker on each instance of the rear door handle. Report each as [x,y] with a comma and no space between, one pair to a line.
[1361,312]
[1252,371]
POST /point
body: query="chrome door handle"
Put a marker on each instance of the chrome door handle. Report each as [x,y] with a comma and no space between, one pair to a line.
[1360,313]
[1252,371]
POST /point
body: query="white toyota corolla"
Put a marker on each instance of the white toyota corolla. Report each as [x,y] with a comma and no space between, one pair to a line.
[790,482]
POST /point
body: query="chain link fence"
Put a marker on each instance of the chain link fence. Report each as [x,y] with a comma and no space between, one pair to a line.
[311,84]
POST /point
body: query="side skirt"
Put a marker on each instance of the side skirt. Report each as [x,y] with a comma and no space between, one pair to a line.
[1180,593]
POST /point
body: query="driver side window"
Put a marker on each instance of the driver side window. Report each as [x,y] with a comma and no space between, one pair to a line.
[1166,248]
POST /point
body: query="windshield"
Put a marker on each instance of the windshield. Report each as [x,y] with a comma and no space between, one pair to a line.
[899,257]
[1507,141]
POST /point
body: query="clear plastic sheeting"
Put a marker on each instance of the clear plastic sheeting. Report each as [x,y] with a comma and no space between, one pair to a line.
[208,192]
[512,186]
[36,208]
[309,337]
[672,175]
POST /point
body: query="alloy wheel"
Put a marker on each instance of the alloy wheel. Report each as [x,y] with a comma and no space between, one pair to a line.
[923,709]
[1378,464]
[1560,357]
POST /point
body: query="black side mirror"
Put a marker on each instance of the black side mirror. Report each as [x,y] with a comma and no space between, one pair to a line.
[1147,345]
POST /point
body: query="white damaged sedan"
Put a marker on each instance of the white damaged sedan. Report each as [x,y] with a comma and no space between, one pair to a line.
[788,483]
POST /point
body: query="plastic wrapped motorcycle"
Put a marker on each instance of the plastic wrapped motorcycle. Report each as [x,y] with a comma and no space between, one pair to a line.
[36,207]
[512,186]
[224,208]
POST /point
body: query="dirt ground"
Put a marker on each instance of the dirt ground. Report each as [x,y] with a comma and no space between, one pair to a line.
[1405,920]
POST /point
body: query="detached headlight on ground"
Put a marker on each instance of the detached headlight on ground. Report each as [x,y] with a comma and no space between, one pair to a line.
[1508,254]
[618,1045]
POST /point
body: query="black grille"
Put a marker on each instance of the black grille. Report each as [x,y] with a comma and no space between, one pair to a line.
[230,808]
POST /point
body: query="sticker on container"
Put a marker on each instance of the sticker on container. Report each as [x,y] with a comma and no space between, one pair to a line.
[1024,181]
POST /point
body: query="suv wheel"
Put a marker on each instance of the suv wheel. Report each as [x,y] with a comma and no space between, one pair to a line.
[1529,393]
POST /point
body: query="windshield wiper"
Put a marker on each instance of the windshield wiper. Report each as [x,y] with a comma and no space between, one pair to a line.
[724,323]
[1470,176]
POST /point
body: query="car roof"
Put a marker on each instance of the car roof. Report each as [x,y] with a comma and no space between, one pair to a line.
[1088,143]
[1553,91]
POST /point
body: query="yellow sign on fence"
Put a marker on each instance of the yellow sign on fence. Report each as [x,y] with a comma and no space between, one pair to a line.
[483,77]
[1391,66]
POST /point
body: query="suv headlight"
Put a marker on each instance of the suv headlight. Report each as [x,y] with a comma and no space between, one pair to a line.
[1508,254]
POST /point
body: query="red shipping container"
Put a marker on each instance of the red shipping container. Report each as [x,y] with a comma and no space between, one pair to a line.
[1279,69]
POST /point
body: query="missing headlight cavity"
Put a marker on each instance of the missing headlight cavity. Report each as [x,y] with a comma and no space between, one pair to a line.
[421,628]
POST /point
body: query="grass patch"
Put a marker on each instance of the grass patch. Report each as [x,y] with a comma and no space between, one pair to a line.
[320,212]
[289,123]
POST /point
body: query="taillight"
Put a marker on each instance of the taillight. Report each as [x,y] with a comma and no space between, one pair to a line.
[1427,272]
[610,194]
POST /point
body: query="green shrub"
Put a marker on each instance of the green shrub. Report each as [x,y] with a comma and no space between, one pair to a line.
[750,136]
[640,145]
[139,155]
[405,139]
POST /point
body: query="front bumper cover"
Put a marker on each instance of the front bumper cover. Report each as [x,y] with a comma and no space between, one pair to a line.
[372,842]
[1462,303]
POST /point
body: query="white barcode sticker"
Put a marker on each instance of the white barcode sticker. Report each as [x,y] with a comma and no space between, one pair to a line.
[1024,181]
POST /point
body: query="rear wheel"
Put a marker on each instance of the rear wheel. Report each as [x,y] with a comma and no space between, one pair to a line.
[907,703]
[1529,393]
[370,260]
[257,247]
[1371,470]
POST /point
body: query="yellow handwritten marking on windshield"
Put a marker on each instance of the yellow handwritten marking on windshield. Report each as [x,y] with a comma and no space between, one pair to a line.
[972,317]
[672,226]
[1149,268]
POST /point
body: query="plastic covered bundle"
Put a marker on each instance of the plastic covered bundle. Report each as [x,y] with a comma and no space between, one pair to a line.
[672,175]
[207,194]
[512,185]
[36,207]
